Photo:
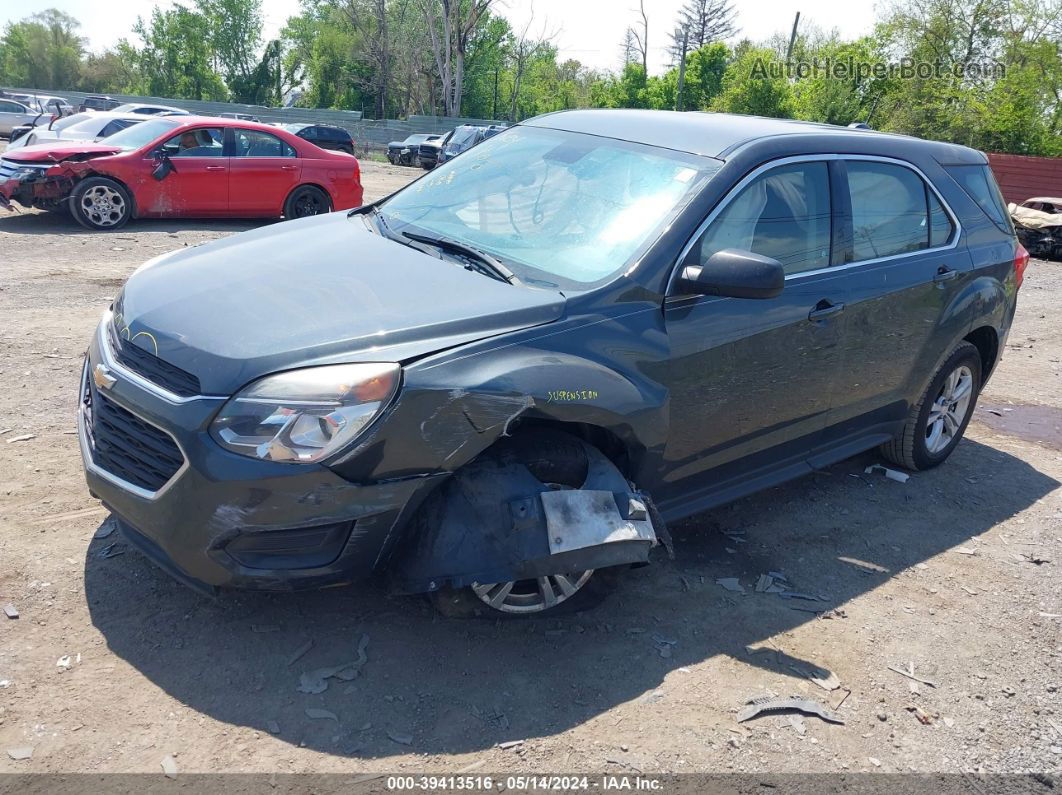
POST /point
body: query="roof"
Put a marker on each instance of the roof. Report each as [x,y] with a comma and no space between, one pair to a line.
[712,134]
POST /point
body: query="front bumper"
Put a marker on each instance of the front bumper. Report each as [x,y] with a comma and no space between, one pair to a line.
[220,519]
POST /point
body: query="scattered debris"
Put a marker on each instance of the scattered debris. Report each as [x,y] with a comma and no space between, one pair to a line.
[64,662]
[873,761]
[18,754]
[112,550]
[321,714]
[864,566]
[169,766]
[948,722]
[10,611]
[797,595]
[910,674]
[1030,557]
[23,438]
[5,684]
[299,652]
[401,739]
[651,697]
[731,584]
[316,681]
[510,744]
[923,717]
[105,529]
[891,474]
[797,723]
[767,704]
[766,583]
[966,550]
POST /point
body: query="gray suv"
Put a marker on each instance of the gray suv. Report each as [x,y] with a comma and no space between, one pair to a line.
[499,384]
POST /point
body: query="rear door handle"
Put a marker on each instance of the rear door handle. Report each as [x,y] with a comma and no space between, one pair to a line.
[944,274]
[215,168]
[824,309]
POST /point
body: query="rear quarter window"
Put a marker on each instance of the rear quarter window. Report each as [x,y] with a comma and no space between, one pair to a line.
[980,185]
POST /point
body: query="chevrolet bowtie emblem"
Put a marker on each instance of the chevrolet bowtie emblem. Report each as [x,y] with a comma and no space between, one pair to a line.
[102,377]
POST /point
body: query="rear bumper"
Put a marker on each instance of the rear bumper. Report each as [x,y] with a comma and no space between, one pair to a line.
[222,520]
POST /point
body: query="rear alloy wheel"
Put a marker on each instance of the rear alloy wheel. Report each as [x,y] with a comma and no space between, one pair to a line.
[937,422]
[306,201]
[99,203]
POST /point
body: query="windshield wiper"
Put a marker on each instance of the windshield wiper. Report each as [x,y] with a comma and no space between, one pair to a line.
[489,264]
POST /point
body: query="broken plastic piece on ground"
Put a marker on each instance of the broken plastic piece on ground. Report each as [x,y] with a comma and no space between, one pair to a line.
[10,611]
[321,714]
[766,704]
[23,752]
[316,681]
[401,739]
[169,766]
[731,584]
[891,474]
[911,675]
[863,565]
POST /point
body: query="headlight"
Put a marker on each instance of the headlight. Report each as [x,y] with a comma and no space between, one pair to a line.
[304,416]
[30,171]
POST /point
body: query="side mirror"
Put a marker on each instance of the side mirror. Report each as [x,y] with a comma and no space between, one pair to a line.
[734,273]
[163,169]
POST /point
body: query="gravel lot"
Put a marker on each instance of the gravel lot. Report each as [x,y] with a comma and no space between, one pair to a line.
[650,681]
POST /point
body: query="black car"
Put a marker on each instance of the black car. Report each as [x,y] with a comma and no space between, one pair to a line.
[498,384]
[97,103]
[406,153]
[464,138]
[323,135]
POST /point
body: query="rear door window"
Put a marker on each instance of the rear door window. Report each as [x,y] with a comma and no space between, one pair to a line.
[255,143]
[784,213]
[890,211]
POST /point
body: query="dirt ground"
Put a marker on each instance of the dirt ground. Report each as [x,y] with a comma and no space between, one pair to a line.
[112,667]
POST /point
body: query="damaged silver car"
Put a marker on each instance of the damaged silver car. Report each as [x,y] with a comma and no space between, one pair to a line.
[496,385]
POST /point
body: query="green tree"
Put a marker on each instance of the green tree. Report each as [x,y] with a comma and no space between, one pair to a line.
[176,59]
[755,83]
[42,51]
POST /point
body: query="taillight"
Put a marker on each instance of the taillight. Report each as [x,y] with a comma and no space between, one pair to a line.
[1021,262]
[55,117]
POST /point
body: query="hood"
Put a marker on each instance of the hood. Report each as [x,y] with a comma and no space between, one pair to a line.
[319,290]
[60,150]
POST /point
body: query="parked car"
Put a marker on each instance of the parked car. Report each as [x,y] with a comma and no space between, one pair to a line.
[406,153]
[151,110]
[326,136]
[182,166]
[1038,223]
[464,138]
[428,151]
[97,103]
[44,103]
[14,114]
[239,116]
[79,127]
[497,384]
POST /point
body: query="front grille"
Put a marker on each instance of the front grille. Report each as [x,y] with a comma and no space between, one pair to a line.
[427,150]
[151,367]
[124,445]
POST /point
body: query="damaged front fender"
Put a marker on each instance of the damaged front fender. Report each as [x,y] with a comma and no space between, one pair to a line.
[496,521]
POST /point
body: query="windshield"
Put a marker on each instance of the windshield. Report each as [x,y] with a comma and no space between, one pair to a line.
[555,206]
[139,134]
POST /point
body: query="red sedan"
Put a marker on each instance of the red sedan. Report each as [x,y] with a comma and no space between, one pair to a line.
[187,167]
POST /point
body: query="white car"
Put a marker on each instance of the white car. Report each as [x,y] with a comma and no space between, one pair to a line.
[14,114]
[79,127]
[150,110]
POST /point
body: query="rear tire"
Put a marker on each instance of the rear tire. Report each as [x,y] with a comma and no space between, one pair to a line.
[936,424]
[306,201]
[101,204]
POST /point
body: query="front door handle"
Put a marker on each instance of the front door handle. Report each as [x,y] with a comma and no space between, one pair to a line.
[824,309]
[288,168]
[215,168]
[944,274]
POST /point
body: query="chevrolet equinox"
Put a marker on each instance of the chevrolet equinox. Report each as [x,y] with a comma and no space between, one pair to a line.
[496,385]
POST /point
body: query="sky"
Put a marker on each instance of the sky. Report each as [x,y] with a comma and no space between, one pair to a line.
[589,31]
